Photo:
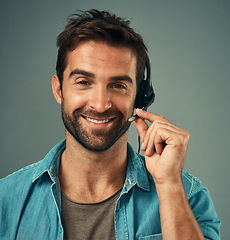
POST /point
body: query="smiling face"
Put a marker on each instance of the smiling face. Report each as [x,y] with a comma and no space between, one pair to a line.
[98,93]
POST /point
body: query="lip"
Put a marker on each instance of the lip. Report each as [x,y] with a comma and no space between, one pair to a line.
[98,123]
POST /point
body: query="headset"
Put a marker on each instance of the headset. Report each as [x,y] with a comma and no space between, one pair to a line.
[145,94]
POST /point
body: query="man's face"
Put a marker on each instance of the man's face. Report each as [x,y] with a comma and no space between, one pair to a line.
[98,94]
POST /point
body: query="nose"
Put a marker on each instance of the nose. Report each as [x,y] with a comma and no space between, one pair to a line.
[100,99]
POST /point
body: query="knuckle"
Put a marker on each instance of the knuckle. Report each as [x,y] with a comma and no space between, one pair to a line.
[161,116]
[185,138]
[187,135]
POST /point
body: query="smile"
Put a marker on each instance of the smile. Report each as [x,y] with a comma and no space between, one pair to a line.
[98,121]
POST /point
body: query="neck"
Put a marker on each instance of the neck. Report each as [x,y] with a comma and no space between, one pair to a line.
[87,176]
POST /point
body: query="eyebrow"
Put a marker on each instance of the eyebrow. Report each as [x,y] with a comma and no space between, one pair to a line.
[81,72]
[91,75]
[122,78]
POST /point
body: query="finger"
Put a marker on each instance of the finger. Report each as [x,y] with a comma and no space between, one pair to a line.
[149,116]
[157,136]
[154,142]
[157,147]
[158,124]
[157,142]
[150,134]
[141,127]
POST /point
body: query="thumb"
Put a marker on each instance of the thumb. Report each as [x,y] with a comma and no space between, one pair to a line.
[141,127]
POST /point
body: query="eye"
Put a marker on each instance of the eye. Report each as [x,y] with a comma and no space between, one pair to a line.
[82,82]
[119,86]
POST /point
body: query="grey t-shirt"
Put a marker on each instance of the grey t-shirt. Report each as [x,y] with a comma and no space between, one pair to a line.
[86,221]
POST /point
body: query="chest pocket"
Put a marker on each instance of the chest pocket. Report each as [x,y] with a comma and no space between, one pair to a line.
[151,237]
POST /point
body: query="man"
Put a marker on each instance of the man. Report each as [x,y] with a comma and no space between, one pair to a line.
[93,185]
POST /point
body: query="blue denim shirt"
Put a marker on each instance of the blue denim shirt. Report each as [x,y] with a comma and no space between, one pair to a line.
[30,201]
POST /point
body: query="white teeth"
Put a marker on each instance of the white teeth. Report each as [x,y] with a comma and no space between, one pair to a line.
[97,121]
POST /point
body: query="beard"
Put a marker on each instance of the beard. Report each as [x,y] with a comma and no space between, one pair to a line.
[95,139]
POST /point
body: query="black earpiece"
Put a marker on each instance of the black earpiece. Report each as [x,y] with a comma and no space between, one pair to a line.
[145,95]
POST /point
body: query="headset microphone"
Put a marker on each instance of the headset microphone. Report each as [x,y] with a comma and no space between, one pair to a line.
[145,95]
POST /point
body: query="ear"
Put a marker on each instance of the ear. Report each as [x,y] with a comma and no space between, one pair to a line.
[56,87]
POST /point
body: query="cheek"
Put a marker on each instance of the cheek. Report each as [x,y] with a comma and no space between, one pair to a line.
[72,102]
[126,106]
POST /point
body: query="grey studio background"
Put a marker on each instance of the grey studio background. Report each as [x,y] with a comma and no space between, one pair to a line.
[189,48]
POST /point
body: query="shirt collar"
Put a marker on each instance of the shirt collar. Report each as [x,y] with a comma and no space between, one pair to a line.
[50,163]
[136,170]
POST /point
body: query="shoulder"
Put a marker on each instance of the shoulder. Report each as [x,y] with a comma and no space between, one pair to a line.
[19,180]
[27,175]
[25,171]
[15,190]
[191,183]
[199,200]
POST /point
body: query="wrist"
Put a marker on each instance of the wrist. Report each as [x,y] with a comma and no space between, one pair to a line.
[172,188]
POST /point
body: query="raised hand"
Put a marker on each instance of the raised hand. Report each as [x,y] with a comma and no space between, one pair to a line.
[164,146]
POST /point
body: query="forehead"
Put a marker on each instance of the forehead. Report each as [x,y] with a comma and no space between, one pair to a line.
[93,54]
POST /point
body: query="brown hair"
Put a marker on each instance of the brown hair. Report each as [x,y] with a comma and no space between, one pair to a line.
[99,26]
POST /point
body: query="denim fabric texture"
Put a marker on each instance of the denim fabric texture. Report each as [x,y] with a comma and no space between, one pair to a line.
[30,201]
